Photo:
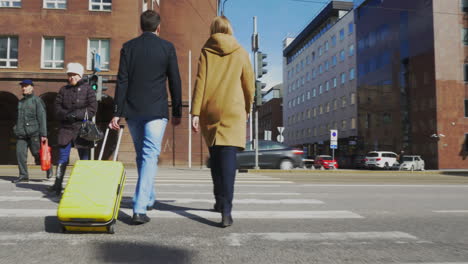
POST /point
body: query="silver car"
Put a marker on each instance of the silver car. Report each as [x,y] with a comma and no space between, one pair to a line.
[270,155]
[412,162]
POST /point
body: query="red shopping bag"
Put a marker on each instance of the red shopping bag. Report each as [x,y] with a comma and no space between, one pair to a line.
[46,157]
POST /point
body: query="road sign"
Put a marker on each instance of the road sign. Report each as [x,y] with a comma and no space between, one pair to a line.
[333,134]
[281,129]
[334,146]
[267,135]
[280,138]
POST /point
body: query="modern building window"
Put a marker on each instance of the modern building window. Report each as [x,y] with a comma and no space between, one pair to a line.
[334,82]
[350,28]
[8,52]
[342,34]
[351,74]
[342,55]
[351,50]
[353,98]
[55,4]
[353,123]
[465,36]
[100,5]
[10,3]
[102,47]
[333,41]
[343,78]
[53,53]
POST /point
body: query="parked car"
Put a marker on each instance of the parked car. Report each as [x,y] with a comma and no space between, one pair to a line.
[270,155]
[359,162]
[381,159]
[412,162]
[325,161]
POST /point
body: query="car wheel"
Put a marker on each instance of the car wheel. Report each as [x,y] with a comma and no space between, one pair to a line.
[386,167]
[286,164]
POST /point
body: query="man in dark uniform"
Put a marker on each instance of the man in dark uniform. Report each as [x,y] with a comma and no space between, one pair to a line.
[30,129]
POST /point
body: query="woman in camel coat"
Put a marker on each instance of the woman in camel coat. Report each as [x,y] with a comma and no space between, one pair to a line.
[222,98]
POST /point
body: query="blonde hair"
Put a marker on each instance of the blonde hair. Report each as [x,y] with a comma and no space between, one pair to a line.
[221,24]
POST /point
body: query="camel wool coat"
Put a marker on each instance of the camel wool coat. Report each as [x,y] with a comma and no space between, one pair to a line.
[224,91]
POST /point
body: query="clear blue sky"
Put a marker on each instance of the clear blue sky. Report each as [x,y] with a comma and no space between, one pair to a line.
[276,19]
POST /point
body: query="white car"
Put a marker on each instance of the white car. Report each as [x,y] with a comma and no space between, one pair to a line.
[380,159]
[412,162]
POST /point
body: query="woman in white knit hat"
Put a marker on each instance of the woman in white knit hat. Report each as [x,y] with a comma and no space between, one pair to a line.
[72,102]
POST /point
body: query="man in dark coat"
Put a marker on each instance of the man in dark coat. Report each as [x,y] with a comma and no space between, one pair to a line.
[72,103]
[30,129]
[146,63]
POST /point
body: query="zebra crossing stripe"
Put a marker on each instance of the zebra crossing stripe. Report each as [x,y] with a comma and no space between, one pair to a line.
[203,214]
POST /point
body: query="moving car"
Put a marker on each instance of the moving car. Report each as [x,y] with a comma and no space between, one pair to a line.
[381,159]
[271,154]
[325,161]
[359,162]
[412,162]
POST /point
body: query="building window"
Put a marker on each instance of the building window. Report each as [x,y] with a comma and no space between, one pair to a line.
[343,101]
[8,52]
[343,124]
[10,3]
[342,34]
[320,109]
[327,65]
[320,51]
[326,46]
[351,74]
[100,5]
[55,4]
[466,142]
[466,72]
[320,89]
[465,36]
[353,123]
[335,104]
[101,47]
[466,107]
[327,86]
[314,92]
[334,82]
[333,41]
[308,95]
[343,78]
[53,51]
[465,5]
[350,28]
[353,98]
[320,68]
[307,60]
[351,50]
[334,60]
[342,55]
[314,112]
[328,107]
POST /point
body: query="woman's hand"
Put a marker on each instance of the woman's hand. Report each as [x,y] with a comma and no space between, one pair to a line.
[195,124]
[114,123]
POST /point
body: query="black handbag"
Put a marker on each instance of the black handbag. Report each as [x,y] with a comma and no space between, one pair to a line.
[89,131]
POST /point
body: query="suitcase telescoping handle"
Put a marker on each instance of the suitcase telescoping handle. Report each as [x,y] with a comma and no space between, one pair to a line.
[118,143]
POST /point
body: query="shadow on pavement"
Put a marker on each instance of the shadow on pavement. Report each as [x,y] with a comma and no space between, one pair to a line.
[134,252]
[162,205]
[456,173]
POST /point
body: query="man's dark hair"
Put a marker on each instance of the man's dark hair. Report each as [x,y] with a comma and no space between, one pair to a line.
[149,20]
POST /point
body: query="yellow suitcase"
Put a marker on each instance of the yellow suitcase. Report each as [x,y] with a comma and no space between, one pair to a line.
[92,196]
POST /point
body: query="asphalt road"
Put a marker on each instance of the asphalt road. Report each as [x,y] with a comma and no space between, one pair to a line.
[279,217]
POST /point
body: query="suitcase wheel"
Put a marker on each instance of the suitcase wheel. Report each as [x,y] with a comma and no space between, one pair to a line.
[111,229]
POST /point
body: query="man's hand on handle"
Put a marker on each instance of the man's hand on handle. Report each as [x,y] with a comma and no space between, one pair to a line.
[114,123]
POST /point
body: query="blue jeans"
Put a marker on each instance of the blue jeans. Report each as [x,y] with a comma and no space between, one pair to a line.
[64,154]
[147,135]
[223,163]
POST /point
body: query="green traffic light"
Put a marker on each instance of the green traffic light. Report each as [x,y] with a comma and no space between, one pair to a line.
[94,86]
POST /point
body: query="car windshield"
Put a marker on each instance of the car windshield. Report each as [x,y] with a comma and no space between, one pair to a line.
[326,157]
[373,154]
[407,158]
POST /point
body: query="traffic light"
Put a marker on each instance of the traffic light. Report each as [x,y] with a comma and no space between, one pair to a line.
[261,64]
[258,92]
[95,81]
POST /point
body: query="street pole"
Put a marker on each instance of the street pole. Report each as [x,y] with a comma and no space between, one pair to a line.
[190,108]
[255,49]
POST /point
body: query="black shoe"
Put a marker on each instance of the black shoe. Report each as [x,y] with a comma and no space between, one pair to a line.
[149,208]
[20,179]
[217,208]
[49,173]
[226,220]
[139,219]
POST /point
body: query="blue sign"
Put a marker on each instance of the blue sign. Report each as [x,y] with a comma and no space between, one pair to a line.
[333,146]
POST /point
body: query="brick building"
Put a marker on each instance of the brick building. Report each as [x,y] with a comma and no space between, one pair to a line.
[38,39]
[270,114]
